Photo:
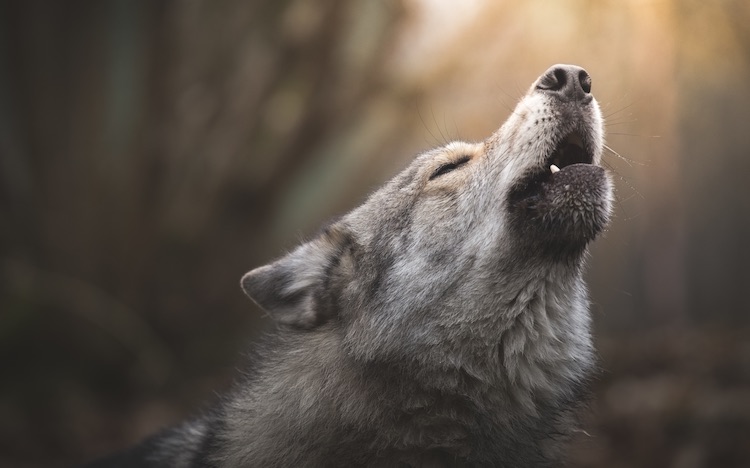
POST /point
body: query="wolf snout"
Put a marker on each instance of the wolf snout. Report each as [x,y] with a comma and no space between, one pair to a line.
[567,82]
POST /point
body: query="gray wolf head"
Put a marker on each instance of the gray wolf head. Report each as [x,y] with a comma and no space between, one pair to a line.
[440,267]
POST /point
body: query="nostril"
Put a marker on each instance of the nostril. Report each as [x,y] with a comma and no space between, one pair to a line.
[585,80]
[568,82]
[561,76]
[554,80]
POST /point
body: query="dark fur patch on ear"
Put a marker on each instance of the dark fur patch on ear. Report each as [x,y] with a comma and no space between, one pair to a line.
[300,289]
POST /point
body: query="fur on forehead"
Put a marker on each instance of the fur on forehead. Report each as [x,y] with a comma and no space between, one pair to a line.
[299,288]
[294,290]
[427,162]
[458,148]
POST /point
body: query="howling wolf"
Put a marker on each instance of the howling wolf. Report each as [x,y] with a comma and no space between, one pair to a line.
[442,323]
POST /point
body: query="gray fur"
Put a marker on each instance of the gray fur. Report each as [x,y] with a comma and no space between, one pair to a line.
[444,322]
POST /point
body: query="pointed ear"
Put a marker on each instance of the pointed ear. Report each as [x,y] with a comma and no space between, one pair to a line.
[294,290]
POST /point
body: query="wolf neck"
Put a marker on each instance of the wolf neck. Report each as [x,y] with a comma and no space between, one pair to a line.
[517,364]
[546,343]
[535,341]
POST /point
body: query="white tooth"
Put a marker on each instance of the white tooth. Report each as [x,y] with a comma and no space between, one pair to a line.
[554,168]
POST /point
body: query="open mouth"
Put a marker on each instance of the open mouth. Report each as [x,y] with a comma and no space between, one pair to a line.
[571,150]
[564,202]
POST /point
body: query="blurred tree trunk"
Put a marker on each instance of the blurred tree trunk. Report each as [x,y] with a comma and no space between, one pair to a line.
[715,144]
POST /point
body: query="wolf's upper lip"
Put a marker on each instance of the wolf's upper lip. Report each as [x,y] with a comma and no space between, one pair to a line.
[571,150]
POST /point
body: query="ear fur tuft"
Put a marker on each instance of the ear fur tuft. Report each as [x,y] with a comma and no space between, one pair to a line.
[290,288]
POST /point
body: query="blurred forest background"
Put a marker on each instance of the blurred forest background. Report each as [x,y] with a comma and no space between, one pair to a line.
[151,152]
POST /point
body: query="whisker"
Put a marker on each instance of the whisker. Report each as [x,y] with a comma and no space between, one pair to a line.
[502,96]
[609,134]
[626,107]
[624,180]
[634,135]
[628,198]
[426,127]
[619,122]
[621,201]
[629,162]
[437,125]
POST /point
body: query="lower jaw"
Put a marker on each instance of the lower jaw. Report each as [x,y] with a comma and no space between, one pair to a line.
[561,213]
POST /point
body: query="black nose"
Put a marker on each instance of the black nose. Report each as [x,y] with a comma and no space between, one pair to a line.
[569,82]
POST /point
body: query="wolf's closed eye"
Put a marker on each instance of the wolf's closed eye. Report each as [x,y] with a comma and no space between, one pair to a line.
[447,167]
